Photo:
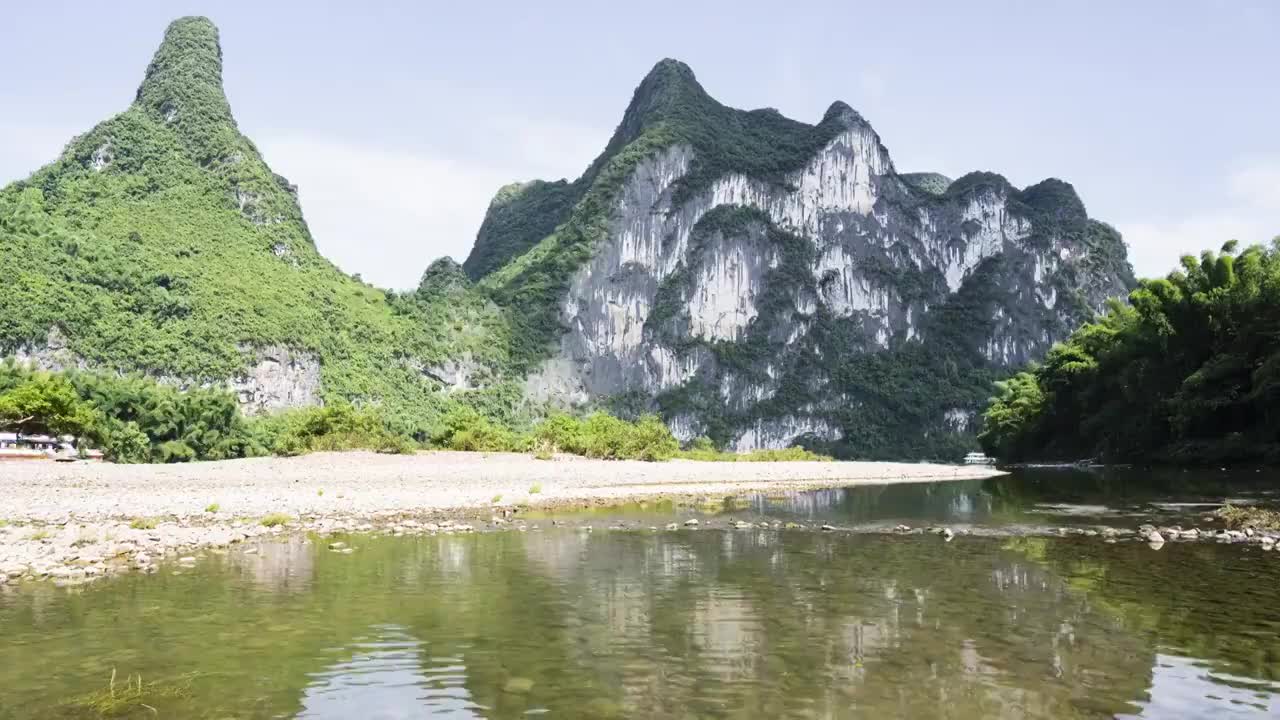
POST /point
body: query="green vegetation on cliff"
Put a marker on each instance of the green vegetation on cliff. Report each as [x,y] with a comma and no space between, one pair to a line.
[160,242]
[669,108]
[1187,372]
[519,217]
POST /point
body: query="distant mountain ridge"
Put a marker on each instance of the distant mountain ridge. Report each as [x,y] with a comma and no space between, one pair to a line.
[754,279]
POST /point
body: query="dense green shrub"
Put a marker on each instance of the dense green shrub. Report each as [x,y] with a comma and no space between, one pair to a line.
[464,428]
[703,449]
[1187,372]
[333,427]
[604,436]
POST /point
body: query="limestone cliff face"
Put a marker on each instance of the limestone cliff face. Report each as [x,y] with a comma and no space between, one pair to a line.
[274,378]
[767,311]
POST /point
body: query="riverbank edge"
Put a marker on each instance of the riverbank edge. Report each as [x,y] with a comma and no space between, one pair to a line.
[83,534]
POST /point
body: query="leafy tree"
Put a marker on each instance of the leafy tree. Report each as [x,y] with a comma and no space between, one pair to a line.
[45,403]
[1188,371]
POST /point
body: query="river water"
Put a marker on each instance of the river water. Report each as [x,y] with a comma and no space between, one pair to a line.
[706,623]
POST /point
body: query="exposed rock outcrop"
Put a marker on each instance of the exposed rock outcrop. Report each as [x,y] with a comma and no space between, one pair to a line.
[274,378]
[767,309]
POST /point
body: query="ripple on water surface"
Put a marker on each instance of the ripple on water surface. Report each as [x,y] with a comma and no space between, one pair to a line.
[685,624]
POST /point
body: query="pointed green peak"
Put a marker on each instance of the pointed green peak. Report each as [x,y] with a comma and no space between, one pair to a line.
[840,112]
[669,83]
[183,86]
[669,92]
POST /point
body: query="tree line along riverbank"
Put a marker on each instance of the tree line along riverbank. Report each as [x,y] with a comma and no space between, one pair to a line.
[1186,372]
[134,419]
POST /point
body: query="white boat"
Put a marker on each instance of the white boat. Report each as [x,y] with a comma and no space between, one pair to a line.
[977,458]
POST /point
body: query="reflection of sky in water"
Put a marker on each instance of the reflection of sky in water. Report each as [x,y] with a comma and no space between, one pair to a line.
[1184,688]
[689,623]
[383,677]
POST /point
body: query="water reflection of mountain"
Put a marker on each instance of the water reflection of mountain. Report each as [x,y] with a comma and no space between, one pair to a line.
[674,625]
[845,622]
[962,501]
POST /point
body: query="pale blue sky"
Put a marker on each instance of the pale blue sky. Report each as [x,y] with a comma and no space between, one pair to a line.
[399,120]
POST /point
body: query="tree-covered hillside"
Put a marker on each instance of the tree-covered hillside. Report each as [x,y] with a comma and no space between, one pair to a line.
[161,242]
[1187,372]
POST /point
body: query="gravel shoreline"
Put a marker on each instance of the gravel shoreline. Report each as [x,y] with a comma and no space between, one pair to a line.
[73,522]
[358,483]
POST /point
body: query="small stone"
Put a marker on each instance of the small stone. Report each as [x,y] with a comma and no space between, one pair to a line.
[828,528]
[741,525]
[1153,536]
[691,522]
[337,545]
[518,685]
[948,534]
[673,526]
[902,528]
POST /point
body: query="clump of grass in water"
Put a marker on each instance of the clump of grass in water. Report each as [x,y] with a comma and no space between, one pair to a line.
[275,519]
[41,534]
[1258,518]
[116,701]
[320,492]
[535,488]
[496,499]
[212,508]
[144,523]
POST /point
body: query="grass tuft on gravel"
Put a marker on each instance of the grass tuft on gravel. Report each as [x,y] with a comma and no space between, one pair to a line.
[275,519]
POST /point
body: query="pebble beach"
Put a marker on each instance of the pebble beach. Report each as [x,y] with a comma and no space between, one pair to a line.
[72,522]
